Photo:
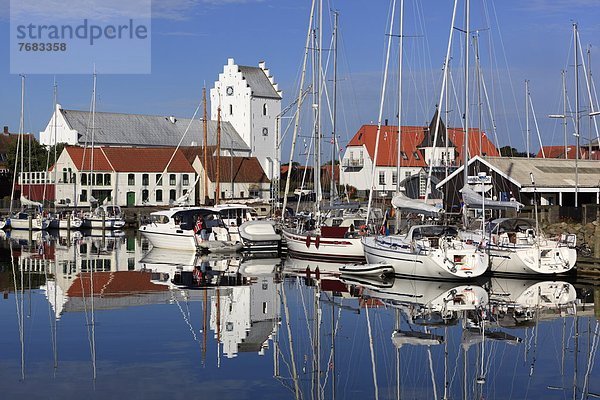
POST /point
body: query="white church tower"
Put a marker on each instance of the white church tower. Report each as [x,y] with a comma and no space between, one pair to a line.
[251,101]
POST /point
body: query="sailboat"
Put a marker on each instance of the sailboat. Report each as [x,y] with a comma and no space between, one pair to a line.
[30,217]
[320,238]
[104,216]
[425,250]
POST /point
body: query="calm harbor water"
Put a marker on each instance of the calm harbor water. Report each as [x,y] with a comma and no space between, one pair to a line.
[98,318]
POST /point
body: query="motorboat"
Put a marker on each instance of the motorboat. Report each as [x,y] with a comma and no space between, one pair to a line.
[104,217]
[428,251]
[260,235]
[175,229]
[515,246]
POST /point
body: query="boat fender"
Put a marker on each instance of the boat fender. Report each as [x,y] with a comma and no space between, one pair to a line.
[318,242]
[308,241]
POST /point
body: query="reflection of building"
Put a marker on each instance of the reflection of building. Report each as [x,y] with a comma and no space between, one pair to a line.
[244,318]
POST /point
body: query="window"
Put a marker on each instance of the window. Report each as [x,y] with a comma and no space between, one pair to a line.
[407,174]
[145,180]
[172,179]
[231,109]
[159,196]
[222,195]
[159,179]
[394,178]
[83,196]
[131,179]
[382,177]
[404,156]
[242,195]
[84,179]
[265,110]
[65,175]
[265,131]
[254,193]
[416,155]
[107,179]
[99,179]
[145,196]
[172,195]
[186,180]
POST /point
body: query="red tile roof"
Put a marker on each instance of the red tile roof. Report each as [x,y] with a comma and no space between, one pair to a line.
[118,283]
[130,159]
[245,169]
[558,152]
[412,137]
[388,144]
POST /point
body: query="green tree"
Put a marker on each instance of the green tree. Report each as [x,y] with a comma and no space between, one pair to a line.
[41,156]
[508,151]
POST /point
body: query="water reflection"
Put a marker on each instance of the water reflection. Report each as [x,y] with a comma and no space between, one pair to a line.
[120,313]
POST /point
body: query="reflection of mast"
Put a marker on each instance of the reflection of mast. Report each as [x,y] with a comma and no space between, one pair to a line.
[397,328]
[372,353]
[204,328]
[218,293]
[19,308]
[291,342]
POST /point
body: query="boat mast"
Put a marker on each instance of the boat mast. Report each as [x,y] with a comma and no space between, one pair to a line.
[92,177]
[55,143]
[466,116]
[576,113]
[383,85]
[479,104]
[334,124]
[299,106]
[527,130]
[218,186]
[564,84]
[205,129]
[399,149]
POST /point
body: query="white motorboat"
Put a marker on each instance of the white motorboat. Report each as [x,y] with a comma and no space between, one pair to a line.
[104,216]
[260,235]
[429,251]
[175,229]
[514,247]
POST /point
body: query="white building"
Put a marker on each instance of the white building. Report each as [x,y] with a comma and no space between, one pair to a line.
[126,176]
[418,152]
[250,100]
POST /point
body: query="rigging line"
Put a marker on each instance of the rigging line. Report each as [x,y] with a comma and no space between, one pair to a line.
[330,360]
[291,343]
[19,310]
[177,148]
[310,146]
[587,84]
[491,114]
[535,122]
[310,336]
[383,87]
[52,318]
[591,357]
[441,97]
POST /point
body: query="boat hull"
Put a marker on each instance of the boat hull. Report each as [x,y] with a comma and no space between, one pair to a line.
[307,247]
[99,223]
[545,260]
[23,224]
[170,240]
[428,264]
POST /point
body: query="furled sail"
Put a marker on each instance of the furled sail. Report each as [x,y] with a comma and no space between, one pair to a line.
[405,203]
[29,203]
[472,199]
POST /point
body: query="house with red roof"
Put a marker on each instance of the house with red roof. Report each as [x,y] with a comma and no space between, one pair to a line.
[125,176]
[419,149]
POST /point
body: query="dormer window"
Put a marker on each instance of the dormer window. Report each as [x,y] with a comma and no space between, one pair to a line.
[416,155]
[403,155]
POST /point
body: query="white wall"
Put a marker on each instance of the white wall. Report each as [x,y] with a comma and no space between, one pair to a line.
[63,133]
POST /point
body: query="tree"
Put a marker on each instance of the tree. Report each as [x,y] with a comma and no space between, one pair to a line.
[41,157]
[508,151]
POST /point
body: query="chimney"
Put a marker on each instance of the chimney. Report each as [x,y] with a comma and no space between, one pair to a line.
[6,130]
[386,122]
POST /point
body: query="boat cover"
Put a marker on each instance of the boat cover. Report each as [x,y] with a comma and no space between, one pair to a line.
[257,231]
[472,199]
[406,203]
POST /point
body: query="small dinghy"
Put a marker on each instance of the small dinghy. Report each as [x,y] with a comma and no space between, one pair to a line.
[368,269]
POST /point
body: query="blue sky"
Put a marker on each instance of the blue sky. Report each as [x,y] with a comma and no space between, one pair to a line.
[192,39]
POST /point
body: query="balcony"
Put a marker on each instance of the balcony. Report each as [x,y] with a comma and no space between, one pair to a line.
[353,163]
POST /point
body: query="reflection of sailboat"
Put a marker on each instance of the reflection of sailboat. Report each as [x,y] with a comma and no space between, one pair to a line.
[415,338]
